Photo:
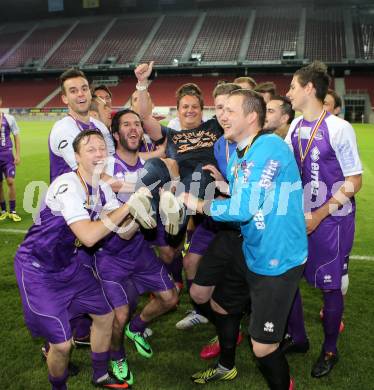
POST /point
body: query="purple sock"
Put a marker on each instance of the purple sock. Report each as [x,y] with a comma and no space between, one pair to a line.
[3,206]
[296,327]
[117,355]
[12,205]
[99,364]
[138,325]
[332,316]
[132,296]
[58,383]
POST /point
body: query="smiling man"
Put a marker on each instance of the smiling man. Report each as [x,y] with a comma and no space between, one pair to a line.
[54,284]
[246,265]
[76,94]
[326,152]
[120,262]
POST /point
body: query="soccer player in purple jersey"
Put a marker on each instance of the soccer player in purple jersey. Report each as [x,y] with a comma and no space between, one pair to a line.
[76,94]
[119,261]
[8,162]
[326,152]
[55,285]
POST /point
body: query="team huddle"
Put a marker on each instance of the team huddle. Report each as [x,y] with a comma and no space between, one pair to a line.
[248,202]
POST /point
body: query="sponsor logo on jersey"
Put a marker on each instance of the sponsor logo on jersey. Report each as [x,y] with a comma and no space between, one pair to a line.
[259,220]
[327,279]
[268,173]
[346,154]
[314,171]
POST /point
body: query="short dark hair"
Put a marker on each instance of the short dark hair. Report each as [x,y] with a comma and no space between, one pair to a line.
[337,99]
[70,74]
[249,80]
[102,87]
[315,73]
[189,89]
[252,102]
[85,134]
[224,89]
[117,117]
[286,107]
[266,87]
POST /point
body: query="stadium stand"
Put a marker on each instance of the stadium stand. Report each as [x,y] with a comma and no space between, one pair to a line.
[76,44]
[363,83]
[10,36]
[26,93]
[325,35]
[36,46]
[121,93]
[220,37]
[274,32]
[123,40]
[170,40]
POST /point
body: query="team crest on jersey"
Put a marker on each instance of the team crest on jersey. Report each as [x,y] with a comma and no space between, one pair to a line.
[319,135]
[246,169]
[314,154]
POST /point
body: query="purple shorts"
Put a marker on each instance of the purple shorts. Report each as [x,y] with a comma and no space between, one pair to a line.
[329,247]
[202,237]
[145,270]
[50,300]
[7,166]
[160,239]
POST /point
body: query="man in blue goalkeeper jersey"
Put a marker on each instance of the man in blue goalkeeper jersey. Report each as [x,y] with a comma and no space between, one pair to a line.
[266,201]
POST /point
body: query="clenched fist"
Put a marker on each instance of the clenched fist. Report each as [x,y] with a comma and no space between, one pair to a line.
[143,71]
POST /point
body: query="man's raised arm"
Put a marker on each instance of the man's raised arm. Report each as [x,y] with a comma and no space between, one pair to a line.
[151,125]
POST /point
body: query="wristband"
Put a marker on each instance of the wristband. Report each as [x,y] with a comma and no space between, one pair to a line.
[140,87]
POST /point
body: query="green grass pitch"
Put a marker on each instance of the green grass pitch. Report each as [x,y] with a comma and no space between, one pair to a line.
[176,352]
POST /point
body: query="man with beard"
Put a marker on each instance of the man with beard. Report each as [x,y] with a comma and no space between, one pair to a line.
[120,261]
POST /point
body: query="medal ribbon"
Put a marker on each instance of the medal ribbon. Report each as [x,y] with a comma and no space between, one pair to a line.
[79,125]
[302,153]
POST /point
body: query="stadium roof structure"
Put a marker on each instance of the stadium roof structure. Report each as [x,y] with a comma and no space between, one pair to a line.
[36,9]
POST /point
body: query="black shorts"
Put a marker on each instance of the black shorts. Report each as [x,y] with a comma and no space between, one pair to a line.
[271,300]
[224,266]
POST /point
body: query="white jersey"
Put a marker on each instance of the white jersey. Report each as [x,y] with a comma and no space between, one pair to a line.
[341,138]
[63,133]
[67,196]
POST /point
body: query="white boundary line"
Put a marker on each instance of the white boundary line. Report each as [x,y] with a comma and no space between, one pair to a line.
[357,257]
[13,231]
[21,231]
